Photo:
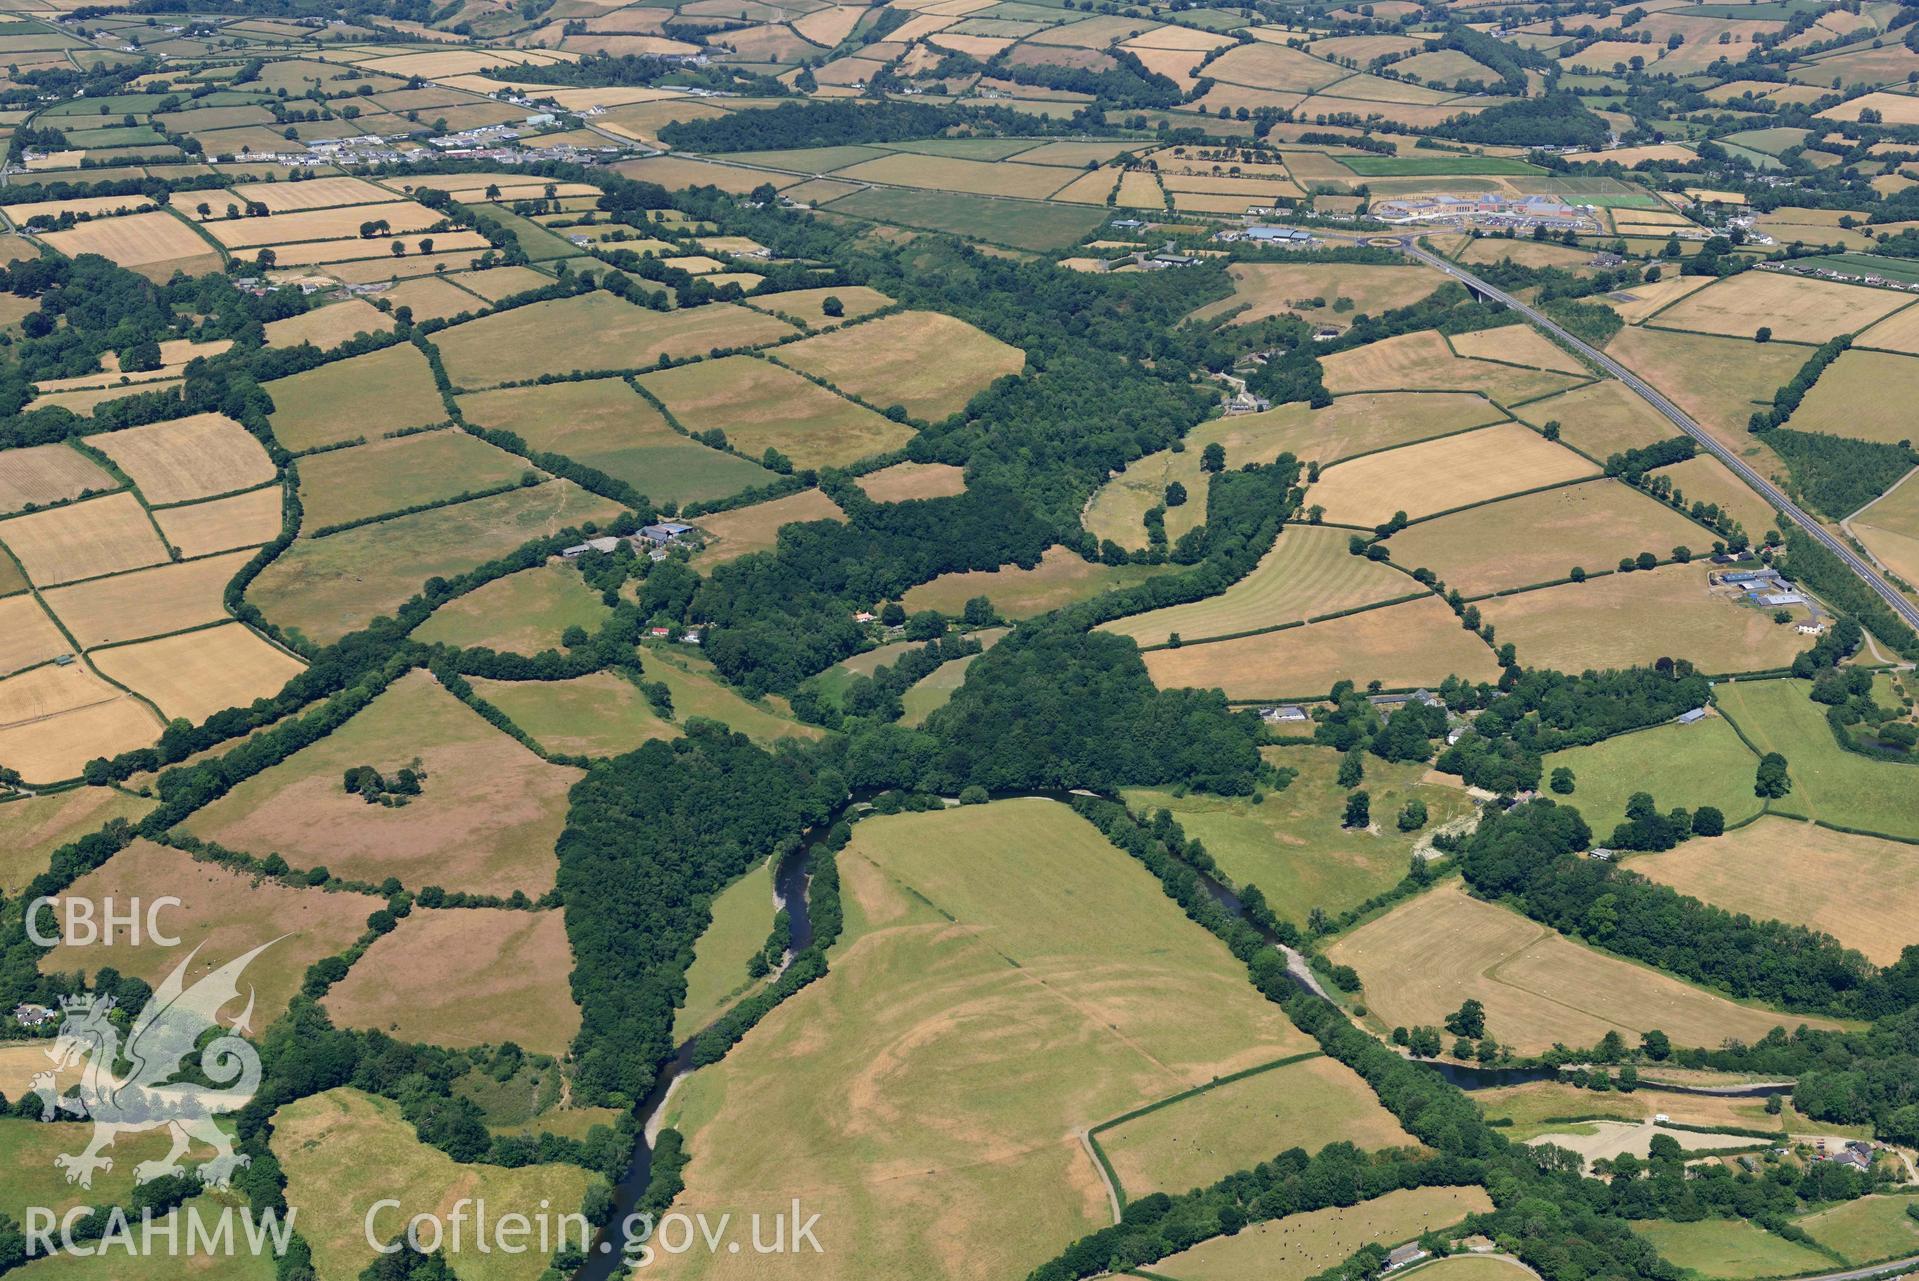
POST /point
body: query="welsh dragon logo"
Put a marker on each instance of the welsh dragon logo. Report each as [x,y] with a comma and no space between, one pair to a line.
[163,1042]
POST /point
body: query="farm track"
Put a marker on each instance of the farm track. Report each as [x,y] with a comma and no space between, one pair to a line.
[1678,417]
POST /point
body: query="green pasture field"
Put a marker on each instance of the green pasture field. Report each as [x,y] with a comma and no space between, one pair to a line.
[606,425]
[1086,993]
[698,691]
[28,1148]
[761,406]
[1689,765]
[592,332]
[343,1151]
[372,395]
[540,244]
[1729,1249]
[327,587]
[343,485]
[460,832]
[1060,578]
[1309,572]
[108,1264]
[1903,270]
[1829,783]
[1871,1228]
[742,917]
[601,714]
[933,692]
[1022,224]
[522,613]
[1202,1138]
[1291,844]
[1437,166]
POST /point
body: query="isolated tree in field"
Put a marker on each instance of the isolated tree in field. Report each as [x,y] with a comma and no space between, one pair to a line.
[1772,781]
[1213,457]
[1176,495]
[1551,430]
[1468,1020]
[1413,817]
[1764,334]
[1562,781]
[1359,810]
[1352,768]
[832,306]
[1707,820]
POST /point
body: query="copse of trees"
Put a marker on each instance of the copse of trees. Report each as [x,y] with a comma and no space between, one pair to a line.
[1550,120]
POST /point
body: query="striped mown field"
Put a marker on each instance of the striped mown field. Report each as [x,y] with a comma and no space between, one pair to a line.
[1308,573]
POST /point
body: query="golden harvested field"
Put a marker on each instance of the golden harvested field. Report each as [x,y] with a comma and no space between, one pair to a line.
[1308,572]
[378,254]
[223,913]
[1304,1245]
[1642,301]
[188,458]
[496,283]
[1864,394]
[1233,1127]
[1794,307]
[1422,958]
[432,298]
[95,206]
[927,362]
[35,826]
[327,327]
[85,540]
[803,306]
[1779,869]
[1600,419]
[401,216]
[1890,527]
[1898,332]
[1273,67]
[312,193]
[343,485]
[383,391]
[1519,344]
[1279,288]
[1706,479]
[344,1151]
[487,820]
[330,586]
[1895,108]
[1357,424]
[27,635]
[1626,619]
[53,720]
[593,331]
[1536,538]
[1421,361]
[903,481]
[1438,475]
[154,244]
[1719,381]
[465,976]
[1085,994]
[244,520]
[756,528]
[42,474]
[1402,646]
[196,674]
[147,602]
[761,406]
